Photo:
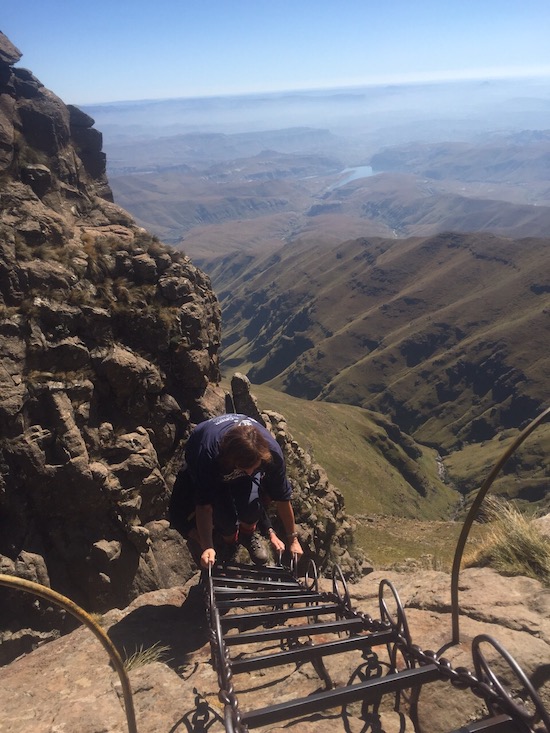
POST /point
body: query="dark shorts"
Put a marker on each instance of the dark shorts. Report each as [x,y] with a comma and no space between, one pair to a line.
[181,510]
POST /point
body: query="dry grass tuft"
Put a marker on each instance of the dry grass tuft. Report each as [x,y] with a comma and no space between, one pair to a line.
[141,657]
[514,545]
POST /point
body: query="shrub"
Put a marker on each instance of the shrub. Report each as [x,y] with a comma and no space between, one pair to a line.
[514,545]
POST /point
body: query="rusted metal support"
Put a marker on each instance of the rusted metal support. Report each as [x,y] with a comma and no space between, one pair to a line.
[59,600]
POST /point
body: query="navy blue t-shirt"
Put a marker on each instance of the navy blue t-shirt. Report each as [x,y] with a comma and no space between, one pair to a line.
[202,453]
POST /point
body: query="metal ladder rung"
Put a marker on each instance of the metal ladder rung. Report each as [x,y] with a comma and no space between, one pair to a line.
[368,691]
[254,583]
[244,592]
[293,632]
[244,602]
[269,616]
[307,652]
[250,571]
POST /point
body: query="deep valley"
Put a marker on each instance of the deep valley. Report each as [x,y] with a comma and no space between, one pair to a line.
[418,290]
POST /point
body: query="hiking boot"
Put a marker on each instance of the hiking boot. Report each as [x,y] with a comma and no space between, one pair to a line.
[255,546]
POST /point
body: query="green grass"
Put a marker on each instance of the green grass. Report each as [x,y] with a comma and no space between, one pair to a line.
[360,459]
[513,544]
[395,542]
[523,478]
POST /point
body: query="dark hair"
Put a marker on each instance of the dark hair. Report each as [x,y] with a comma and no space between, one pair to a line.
[243,446]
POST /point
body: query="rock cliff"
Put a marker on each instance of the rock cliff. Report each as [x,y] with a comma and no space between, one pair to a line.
[109,350]
[108,357]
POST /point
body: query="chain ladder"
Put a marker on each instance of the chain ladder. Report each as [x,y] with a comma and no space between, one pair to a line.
[484,684]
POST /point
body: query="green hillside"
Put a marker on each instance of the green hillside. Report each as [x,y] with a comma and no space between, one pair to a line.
[395,525]
[447,336]
[378,469]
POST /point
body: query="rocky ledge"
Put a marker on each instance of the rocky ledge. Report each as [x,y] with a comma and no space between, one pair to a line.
[79,690]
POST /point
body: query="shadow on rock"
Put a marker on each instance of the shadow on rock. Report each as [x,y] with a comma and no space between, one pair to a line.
[183,629]
[198,720]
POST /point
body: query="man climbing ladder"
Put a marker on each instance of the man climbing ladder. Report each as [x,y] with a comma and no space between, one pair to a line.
[234,467]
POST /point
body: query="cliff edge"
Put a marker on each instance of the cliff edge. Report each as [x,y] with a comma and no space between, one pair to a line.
[108,357]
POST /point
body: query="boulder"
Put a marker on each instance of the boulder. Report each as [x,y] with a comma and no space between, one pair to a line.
[9,54]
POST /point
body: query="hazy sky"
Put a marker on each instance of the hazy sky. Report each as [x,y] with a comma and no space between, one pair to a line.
[109,50]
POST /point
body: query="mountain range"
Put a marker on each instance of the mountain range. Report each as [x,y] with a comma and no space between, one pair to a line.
[447,334]
[410,279]
[273,187]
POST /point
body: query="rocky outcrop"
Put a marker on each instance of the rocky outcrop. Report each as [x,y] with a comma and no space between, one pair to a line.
[79,690]
[108,357]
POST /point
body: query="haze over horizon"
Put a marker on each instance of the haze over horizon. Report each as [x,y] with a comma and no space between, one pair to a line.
[130,51]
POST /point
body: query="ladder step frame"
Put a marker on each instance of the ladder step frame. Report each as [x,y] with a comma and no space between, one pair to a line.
[309,652]
[367,691]
[228,588]
[267,600]
[285,613]
[352,625]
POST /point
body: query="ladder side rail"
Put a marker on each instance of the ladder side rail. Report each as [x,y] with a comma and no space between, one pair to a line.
[220,656]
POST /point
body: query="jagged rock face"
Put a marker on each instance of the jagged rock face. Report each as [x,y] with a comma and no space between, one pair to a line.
[108,352]
[108,357]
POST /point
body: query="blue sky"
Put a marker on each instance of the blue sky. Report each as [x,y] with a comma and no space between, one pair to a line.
[114,50]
